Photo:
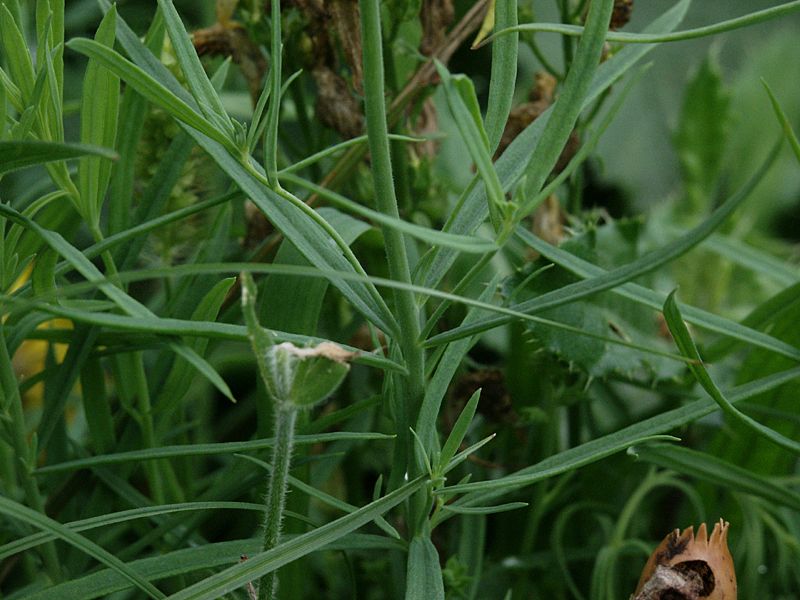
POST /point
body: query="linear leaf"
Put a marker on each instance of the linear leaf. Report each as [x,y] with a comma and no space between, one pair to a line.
[45,523]
[611,279]
[423,575]
[677,36]
[20,154]
[266,562]
[483,491]
[684,341]
[512,164]
[151,89]
[202,450]
[719,472]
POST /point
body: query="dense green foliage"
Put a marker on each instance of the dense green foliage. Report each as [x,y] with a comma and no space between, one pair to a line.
[516,402]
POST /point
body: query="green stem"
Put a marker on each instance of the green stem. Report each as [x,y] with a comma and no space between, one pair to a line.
[386,201]
[16,429]
[285,419]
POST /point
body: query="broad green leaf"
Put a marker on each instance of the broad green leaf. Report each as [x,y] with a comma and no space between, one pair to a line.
[302,315]
[3,109]
[684,341]
[20,154]
[235,577]
[19,512]
[99,109]
[423,575]
[702,136]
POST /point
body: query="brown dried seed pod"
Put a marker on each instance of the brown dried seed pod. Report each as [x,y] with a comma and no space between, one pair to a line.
[689,567]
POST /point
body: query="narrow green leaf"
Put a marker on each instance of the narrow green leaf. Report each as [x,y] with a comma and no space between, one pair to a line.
[99,110]
[23,513]
[655,300]
[463,104]
[20,154]
[201,87]
[459,430]
[591,451]
[423,575]
[726,475]
[783,120]
[202,450]
[298,222]
[611,279]
[151,89]
[203,367]
[685,343]
[656,38]
[484,510]
[267,562]
[16,52]
[124,516]
[512,164]
[432,237]
[179,378]
[504,73]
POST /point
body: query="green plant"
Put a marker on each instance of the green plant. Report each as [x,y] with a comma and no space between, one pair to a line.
[490,339]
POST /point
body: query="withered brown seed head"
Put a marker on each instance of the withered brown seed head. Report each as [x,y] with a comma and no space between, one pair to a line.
[689,567]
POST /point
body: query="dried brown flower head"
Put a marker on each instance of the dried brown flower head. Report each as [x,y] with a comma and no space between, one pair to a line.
[689,567]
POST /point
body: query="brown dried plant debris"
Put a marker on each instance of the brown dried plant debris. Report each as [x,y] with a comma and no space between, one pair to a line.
[621,13]
[436,16]
[540,98]
[226,37]
[689,567]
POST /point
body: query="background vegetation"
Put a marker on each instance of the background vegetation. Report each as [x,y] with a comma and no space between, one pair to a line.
[491,238]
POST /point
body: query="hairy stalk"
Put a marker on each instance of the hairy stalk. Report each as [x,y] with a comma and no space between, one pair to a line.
[409,394]
[275,500]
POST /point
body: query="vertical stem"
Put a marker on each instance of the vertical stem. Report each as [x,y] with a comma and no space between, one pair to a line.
[386,202]
[16,428]
[285,418]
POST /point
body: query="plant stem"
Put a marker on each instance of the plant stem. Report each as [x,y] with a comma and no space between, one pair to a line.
[275,500]
[386,202]
[17,429]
